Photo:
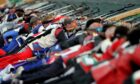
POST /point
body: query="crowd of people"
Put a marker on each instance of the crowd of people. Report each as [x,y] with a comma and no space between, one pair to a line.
[58,50]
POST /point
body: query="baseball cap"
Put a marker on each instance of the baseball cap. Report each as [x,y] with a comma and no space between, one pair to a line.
[67,21]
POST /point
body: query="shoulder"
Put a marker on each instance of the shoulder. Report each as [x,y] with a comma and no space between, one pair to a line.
[58,31]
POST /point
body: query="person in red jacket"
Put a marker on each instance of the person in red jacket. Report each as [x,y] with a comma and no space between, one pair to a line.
[120,37]
[118,69]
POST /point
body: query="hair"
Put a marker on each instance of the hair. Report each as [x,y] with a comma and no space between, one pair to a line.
[19,12]
[34,20]
[46,21]
[121,31]
[134,36]
[137,25]
[106,26]
[89,22]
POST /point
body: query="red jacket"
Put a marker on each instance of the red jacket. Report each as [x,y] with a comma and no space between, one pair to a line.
[116,70]
[14,58]
[109,52]
[85,48]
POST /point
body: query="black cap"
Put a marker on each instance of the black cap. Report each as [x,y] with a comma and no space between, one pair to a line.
[67,21]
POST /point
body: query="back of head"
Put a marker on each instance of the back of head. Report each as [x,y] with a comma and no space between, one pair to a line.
[34,20]
[121,31]
[19,12]
[106,26]
[89,22]
[134,36]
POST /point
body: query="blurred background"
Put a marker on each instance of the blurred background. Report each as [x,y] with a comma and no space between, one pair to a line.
[104,5]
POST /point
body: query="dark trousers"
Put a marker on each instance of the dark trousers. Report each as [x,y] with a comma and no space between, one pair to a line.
[44,73]
[78,77]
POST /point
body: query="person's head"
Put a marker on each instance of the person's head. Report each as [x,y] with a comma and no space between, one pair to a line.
[46,20]
[93,25]
[121,31]
[35,21]
[46,23]
[27,16]
[134,36]
[136,26]
[20,12]
[70,24]
[109,30]
[128,24]
[28,11]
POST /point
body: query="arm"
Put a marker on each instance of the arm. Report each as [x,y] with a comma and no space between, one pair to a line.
[72,42]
